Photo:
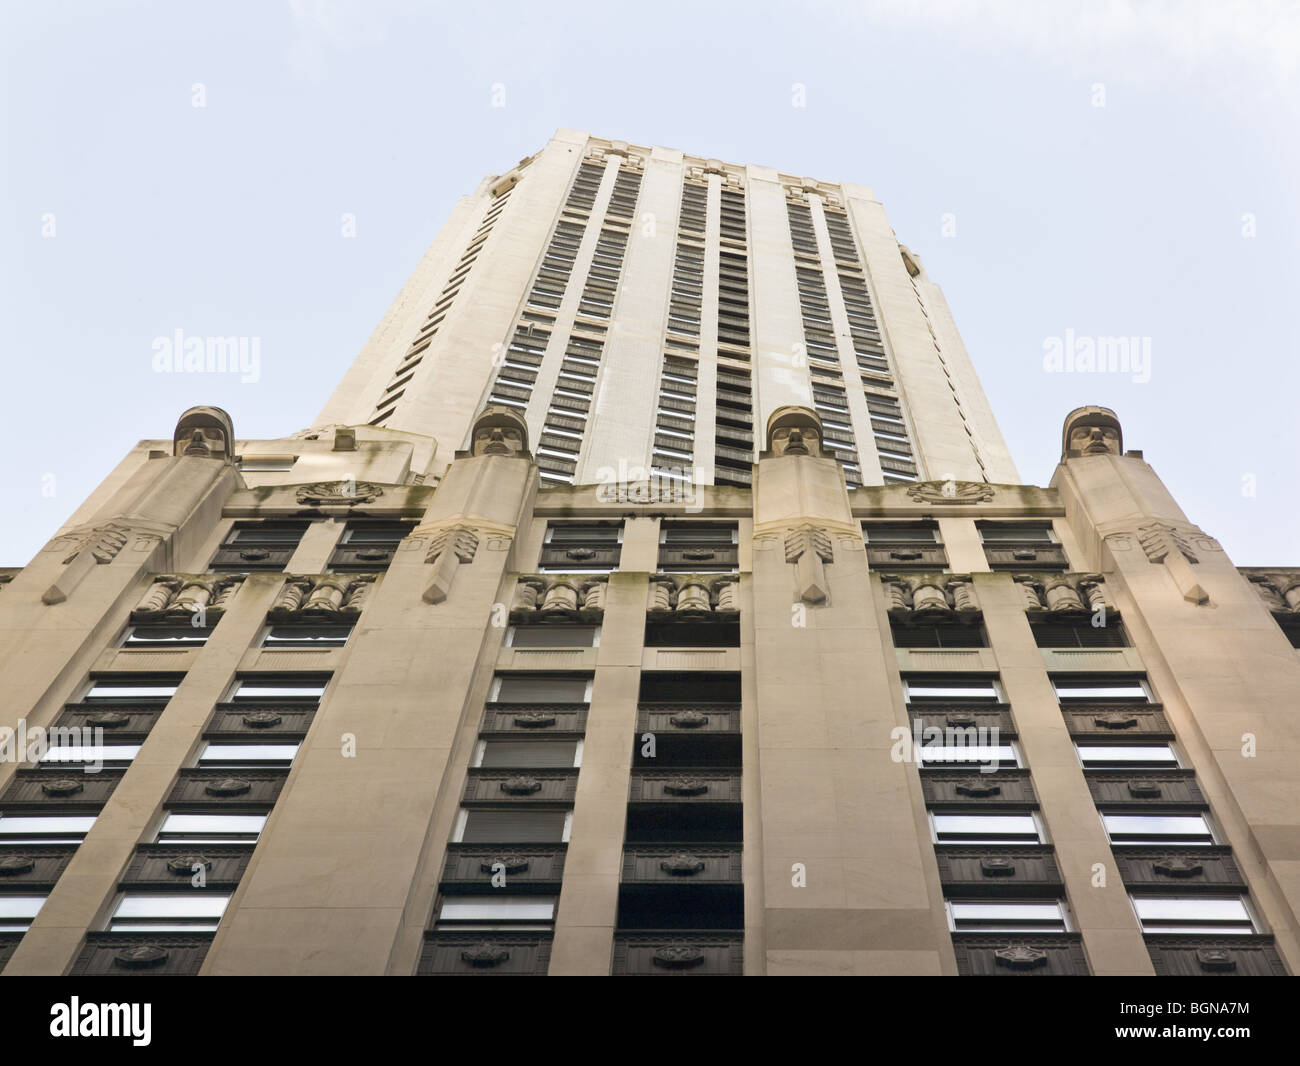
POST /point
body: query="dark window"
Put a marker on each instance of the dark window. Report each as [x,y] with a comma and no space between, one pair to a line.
[959,636]
[167,636]
[900,533]
[258,546]
[690,687]
[1086,635]
[554,636]
[1021,546]
[323,636]
[368,547]
[688,547]
[541,688]
[1292,631]
[674,634]
[904,546]
[572,546]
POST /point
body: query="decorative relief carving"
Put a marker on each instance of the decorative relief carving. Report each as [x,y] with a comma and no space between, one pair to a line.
[521,786]
[924,599]
[1178,866]
[15,865]
[693,594]
[228,786]
[307,599]
[62,786]
[262,719]
[660,490]
[140,957]
[178,597]
[534,720]
[1279,589]
[102,542]
[1020,957]
[346,493]
[485,954]
[976,788]
[1158,539]
[511,864]
[951,492]
[1066,596]
[1215,960]
[460,540]
[995,866]
[1144,788]
[809,549]
[688,719]
[682,864]
[677,956]
[1116,720]
[685,786]
[559,597]
[183,865]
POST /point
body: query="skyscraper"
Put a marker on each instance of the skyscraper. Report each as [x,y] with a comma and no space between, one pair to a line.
[655,594]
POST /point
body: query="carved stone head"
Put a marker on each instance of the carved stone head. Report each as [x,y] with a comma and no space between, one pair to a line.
[206,432]
[794,431]
[1091,431]
[500,431]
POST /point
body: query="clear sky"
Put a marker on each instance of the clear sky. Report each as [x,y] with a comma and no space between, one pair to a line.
[1066,170]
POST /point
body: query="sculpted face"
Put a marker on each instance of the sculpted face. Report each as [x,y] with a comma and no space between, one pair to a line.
[789,440]
[205,432]
[497,440]
[1088,439]
[794,431]
[499,431]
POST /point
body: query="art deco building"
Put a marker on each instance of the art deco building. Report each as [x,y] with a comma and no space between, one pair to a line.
[654,595]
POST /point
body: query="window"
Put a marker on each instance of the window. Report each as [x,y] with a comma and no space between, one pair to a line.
[513,827]
[267,464]
[1021,546]
[44,828]
[367,546]
[553,636]
[1157,829]
[271,756]
[998,916]
[986,829]
[581,546]
[170,636]
[497,912]
[96,754]
[188,912]
[1127,757]
[942,688]
[1001,755]
[258,546]
[1085,635]
[323,636]
[540,688]
[137,689]
[712,632]
[211,828]
[900,533]
[698,547]
[528,753]
[252,689]
[1199,915]
[1130,689]
[958,636]
[1016,533]
[17,912]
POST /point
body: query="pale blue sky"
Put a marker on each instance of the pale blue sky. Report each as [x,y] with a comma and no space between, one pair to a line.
[1122,220]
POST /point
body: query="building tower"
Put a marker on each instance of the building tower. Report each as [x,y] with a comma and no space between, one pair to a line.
[654,595]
